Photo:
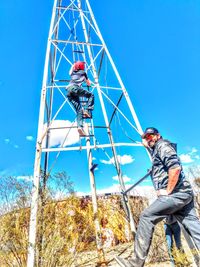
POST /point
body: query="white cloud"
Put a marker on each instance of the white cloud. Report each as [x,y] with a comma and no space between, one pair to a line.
[7,140]
[107,161]
[186,158]
[193,151]
[61,136]
[125,159]
[125,178]
[29,138]
[190,156]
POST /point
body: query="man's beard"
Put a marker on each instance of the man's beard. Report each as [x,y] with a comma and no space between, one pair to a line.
[152,144]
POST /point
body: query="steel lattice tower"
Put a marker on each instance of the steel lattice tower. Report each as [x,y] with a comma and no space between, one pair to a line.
[74,35]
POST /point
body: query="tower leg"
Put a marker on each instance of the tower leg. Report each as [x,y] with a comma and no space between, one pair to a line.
[101,255]
[34,210]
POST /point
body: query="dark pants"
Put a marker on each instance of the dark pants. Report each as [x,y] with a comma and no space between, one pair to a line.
[181,205]
[74,94]
[173,233]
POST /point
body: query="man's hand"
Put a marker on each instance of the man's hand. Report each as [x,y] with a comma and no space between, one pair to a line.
[162,192]
[173,178]
[88,82]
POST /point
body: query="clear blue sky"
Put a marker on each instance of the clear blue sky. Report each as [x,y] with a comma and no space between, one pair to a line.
[156,47]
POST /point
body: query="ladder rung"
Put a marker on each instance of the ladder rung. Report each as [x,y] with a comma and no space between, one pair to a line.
[78,51]
[88,135]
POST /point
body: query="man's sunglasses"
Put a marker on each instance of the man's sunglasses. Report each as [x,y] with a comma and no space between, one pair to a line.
[149,136]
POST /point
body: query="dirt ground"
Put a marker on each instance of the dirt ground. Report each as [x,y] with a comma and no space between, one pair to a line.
[125,251]
[162,264]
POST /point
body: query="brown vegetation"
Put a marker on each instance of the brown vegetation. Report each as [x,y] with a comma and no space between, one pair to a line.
[66,233]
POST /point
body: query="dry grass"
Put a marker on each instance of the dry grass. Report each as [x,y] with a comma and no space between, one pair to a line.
[69,234]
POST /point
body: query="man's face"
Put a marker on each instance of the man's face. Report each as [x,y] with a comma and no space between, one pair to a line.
[151,139]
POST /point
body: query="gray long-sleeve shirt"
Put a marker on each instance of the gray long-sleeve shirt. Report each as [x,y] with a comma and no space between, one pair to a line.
[164,157]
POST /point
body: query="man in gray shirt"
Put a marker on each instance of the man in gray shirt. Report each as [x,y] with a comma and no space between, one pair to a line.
[175,196]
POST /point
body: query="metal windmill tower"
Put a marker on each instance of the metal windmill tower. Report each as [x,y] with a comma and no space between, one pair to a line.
[74,35]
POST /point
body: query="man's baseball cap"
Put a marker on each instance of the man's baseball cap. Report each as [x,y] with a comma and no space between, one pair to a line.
[150,130]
